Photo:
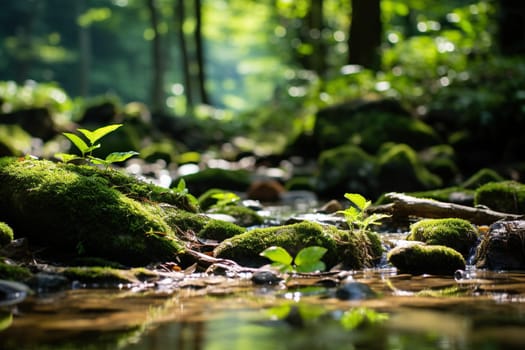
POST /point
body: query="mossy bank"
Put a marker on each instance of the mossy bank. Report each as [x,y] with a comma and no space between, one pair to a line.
[73,211]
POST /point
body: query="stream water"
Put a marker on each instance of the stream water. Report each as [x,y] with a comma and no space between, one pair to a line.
[475,310]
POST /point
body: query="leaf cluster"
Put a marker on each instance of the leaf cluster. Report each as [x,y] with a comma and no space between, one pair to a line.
[356,216]
[86,148]
[307,260]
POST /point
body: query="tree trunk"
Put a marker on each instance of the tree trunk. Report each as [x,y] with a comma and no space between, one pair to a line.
[365,34]
[84,43]
[180,16]
[201,72]
[511,34]
[316,26]
[157,89]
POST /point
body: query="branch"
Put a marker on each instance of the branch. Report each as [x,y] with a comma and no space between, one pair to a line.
[404,206]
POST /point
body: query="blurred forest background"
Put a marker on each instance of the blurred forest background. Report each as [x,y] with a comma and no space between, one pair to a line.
[257,75]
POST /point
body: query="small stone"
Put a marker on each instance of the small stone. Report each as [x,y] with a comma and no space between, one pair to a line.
[354,291]
[265,277]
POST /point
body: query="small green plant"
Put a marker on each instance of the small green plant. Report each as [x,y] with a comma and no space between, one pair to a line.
[355,214]
[224,199]
[86,148]
[307,260]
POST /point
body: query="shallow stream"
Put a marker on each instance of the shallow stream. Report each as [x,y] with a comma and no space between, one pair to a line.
[475,310]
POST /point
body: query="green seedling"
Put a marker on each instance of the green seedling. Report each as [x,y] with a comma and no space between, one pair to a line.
[355,214]
[224,199]
[86,148]
[307,260]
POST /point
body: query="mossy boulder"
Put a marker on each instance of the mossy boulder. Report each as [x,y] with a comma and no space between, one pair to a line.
[346,169]
[229,180]
[431,259]
[6,234]
[482,177]
[369,124]
[220,230]
[84,211]
[106,275]
[401,170]
[504,196]
[454,233]
[354,250]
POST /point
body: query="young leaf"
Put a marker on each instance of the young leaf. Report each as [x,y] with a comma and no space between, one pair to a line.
[309,255]
[78,142]
[358,200]
[278,255]
[95,135]
[96,160]
[311,266]
[66,157]
[282,267]
[120,156]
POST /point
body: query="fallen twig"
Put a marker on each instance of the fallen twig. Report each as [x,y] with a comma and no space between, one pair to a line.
[404,206]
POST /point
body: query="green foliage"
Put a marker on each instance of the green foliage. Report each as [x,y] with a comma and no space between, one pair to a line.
[6,234]
[356,216]
[86,149]
[307,260]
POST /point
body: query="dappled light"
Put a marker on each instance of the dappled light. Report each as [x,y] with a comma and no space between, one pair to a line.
[273,174]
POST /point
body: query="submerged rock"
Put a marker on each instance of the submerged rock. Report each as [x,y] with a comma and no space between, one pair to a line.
[503,247]
[455,233]
[431,259]
[354,291]
[354,250]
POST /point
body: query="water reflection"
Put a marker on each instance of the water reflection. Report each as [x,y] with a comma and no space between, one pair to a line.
[480,310]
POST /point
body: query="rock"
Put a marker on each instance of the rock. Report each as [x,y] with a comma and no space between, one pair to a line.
[12,293]
[47,282]
[265,277]
[226,180]
[503,247]
[353,250]
[346,169]
[503,196]
[369,124]
[431,259]
[455,233]
[77,211]
[265,190]
[354,291]
[401,170]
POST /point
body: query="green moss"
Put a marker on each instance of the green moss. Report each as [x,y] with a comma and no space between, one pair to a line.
[6,234]
[400,169]
[100,275]
[243,216]
[220,230]
[504,196]
[14,140]
[75,212]
[13,272]
[353,250]
[455,233]
[482,177]
[207,199]
[431,259]
[346,169]
[229,180]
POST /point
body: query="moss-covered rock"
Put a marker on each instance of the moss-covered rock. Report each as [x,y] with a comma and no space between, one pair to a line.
[346,169]
[80,211]
[504,196]
[455,233]
[6,234]
[106,275]
[14,141]
[482,177]
[13,272]
[220,230]
[431,259]
[369,124]
[441,160]
[401,170]
[230,180]
[353,250]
